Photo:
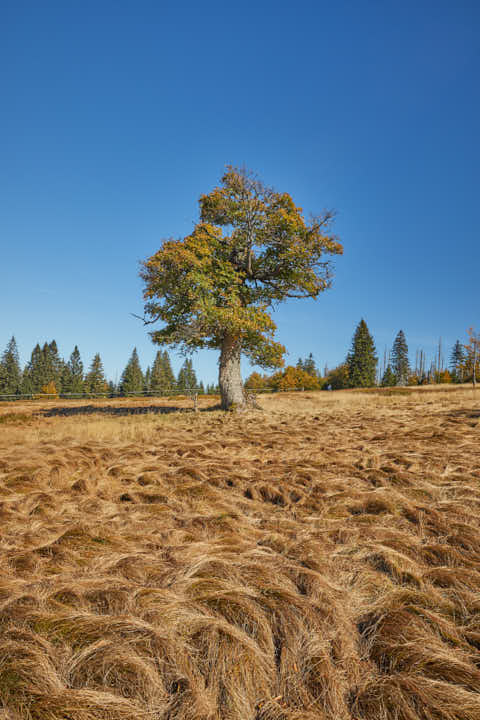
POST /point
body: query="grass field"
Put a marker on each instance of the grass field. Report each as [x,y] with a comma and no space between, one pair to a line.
[318,558]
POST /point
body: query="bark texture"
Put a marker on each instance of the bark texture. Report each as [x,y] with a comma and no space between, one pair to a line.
[229,377]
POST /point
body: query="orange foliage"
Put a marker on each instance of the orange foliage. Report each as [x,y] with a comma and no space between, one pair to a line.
[293,378]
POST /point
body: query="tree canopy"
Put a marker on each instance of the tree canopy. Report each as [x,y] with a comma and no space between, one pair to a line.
[251,249]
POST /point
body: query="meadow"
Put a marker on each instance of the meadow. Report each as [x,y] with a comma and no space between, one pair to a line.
[317,558]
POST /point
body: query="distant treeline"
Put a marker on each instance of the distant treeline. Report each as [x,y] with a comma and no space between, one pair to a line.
[361,367]
[47,372]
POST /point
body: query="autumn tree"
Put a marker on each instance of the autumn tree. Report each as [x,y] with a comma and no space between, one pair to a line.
[215,288]
[255,381]
[472,356]
[293,378]
[338,379]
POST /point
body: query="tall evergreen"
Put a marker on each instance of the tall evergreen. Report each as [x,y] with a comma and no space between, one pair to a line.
[76,368]
[399,359]
[187,380]
[95,381]
[72,375]
[147,379]
[34,376]
[162,379]
[11,375]
[55,364]
[457,360]
[170,380]
[132,379]
[362,358]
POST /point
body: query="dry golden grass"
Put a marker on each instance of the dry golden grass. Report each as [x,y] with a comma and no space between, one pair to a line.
[317,559]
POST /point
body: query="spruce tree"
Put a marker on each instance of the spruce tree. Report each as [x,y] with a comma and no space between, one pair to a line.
[162,379]
[3,380]
[76,368]
[66,380]
[147,380]
[457,360]
[157,383]
[187,380]
[132,379]
[362,358]
[170,381]
[309,366]
[95,381]
[72,374]
[34,373]
[11,382]
[56,364]
[389,379]
[399,359]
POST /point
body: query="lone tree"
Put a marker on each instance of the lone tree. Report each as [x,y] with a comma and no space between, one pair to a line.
[251,250]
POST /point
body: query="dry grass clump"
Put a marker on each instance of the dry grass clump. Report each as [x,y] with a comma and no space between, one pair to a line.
[319,559]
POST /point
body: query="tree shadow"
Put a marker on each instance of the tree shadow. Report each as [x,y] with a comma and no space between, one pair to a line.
[122,411]
[113,410]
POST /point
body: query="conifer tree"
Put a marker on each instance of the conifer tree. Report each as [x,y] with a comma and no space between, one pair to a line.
[187,380]
[132,379]
[147,380]
[34,377]
[157,383]
[55,364]
[162,379]
[362,358]
[72,374]
[310,367]
[457,360]
[95,381]
[399,359]
[66,380]
[11,382]
[76,368]
[389,379]
[170,380]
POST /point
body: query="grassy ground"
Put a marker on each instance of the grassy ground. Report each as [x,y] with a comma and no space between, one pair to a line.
[319,558]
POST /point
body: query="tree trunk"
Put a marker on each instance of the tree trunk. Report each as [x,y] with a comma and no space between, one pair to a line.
[229,377]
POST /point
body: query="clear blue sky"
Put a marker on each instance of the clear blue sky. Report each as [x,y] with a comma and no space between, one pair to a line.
[116,116]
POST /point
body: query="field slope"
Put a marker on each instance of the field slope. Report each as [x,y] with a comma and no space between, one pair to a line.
[317,559]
